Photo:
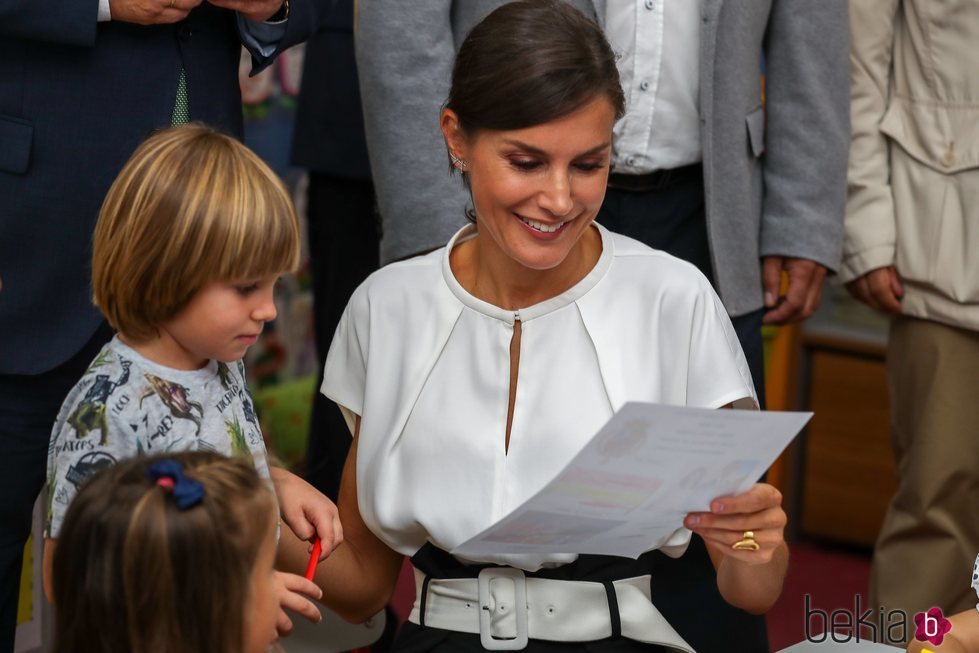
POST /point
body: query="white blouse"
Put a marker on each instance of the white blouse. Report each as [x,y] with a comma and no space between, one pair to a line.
[427,367]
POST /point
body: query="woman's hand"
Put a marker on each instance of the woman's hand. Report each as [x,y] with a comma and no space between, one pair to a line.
[759,510]
[748,579]
[307,511]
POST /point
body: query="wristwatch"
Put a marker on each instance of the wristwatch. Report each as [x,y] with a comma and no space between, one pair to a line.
[281,15]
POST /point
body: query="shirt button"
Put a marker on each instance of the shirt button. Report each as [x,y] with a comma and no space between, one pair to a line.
[644,85]
[184,33]
[630,161]
[650,4]
[949,159]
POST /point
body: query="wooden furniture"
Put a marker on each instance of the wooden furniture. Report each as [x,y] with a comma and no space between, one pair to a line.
[839,476]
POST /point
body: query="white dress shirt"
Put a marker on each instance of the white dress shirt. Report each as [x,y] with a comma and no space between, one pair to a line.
[658,45]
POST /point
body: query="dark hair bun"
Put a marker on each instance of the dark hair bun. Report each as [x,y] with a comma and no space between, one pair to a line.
[530,62]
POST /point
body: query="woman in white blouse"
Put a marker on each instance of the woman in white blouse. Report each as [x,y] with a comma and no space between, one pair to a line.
[471,375]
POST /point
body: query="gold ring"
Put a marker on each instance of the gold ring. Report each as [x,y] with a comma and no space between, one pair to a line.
[747,542]
[170,6]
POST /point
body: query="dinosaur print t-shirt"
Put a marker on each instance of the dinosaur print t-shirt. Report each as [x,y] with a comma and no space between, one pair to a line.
[126,406]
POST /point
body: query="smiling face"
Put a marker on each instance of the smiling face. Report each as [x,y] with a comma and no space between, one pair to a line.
[536,190]
[221,321]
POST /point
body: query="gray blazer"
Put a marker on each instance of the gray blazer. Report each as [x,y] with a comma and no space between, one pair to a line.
[775,179]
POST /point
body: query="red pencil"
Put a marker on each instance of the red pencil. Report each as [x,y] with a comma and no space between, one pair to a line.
[314,558]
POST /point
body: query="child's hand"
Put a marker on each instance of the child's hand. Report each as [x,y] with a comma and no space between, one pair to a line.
[307,511]
[292,591]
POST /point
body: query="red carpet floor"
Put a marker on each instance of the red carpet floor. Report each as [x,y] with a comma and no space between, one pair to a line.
[831,577]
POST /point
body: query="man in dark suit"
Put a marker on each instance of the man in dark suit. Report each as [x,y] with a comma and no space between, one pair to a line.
[81,84]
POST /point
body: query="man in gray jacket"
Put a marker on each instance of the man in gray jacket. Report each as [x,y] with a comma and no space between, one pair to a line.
[702,168]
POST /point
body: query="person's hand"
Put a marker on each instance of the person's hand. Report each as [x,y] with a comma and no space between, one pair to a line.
[307,511]
[256,10]
[292,592]
[879,289]
[151,12]
[803,294]
[758,510]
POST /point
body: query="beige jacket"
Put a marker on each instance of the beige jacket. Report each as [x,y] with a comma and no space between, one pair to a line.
[914,158]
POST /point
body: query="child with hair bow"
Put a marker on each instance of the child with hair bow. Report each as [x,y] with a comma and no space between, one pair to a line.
[169,553]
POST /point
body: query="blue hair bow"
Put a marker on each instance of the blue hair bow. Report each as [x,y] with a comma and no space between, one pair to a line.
[169,474]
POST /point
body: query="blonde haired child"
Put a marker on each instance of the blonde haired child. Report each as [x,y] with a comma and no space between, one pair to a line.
[189,243]
[168,553]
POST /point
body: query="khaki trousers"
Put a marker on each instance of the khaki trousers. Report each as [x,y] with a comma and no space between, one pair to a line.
[930,536]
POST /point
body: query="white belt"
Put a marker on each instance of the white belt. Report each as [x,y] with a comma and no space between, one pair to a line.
[555,610]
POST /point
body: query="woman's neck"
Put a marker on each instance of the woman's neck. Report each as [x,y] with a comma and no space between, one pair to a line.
[486,272]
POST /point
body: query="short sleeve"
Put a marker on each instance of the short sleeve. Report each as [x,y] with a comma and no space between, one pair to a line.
[345,373]
[86,439]
[676,545]
[717,371]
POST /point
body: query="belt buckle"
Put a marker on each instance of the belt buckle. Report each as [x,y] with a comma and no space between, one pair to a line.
[516,576]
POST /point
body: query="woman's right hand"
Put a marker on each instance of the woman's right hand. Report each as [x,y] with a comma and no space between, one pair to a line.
[358,578]
[879,289]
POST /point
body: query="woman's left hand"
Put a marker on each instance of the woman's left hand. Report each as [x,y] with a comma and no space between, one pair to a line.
[759,510]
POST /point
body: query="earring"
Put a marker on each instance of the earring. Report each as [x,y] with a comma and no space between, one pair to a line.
[457,162]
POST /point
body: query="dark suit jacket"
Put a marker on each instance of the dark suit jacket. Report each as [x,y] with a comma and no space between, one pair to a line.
[76,97]
[329,134]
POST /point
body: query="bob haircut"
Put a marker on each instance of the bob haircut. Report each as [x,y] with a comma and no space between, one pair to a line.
[531,62]
[192,206]
[134,573]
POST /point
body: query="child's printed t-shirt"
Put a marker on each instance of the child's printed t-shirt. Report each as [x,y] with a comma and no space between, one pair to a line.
[126,406]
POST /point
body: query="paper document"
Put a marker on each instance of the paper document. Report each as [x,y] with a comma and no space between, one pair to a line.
[629,489]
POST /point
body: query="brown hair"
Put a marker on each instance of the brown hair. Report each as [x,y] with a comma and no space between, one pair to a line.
[190,207]
[530,62]
[134,573]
